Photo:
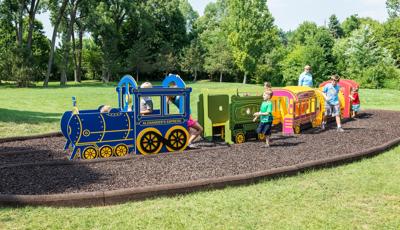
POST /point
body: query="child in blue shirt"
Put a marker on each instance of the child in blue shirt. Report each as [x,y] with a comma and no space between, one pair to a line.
[332,105]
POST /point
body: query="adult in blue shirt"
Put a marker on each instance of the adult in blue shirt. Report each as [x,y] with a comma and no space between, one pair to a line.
[305,78]
[332,105]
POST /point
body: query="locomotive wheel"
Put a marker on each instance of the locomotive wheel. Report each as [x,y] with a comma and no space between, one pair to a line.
[89,153]
[240,138]
[121,150]
[261,137]
[149,141]
[106,151]
[315,124]
[297,129]
[177,138]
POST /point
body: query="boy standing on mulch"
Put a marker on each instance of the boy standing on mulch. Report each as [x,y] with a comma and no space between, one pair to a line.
[266,118]
[332,105]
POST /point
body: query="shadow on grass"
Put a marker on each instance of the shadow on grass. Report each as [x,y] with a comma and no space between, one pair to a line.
[18,116]
[83,84]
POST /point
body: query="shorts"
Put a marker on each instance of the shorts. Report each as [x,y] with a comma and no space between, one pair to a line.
[355,107]
[333,110]
[264,128]
[191,122]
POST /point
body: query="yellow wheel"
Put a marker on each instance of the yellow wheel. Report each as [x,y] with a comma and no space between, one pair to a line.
[315,123]
[149,141]
[89,153]
[240,138]
[177,138]
[261,137]
[297,129]
[106,151]
[121,150]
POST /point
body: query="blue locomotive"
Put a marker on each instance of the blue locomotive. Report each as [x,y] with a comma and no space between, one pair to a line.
[123,130]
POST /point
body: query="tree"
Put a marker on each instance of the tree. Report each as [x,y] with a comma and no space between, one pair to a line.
[391,39]
[309,35]
[393,8]
[301,55]
[68,34]
[7,43]
[302,33]
[218,58]
[140,58]
[270,67]
[350,24]
[192,58]
[106,22]
[190,16]
[334,27]
[92,59]
[251,33]
[213,36]
[169,27]
[57,10]
[365,60]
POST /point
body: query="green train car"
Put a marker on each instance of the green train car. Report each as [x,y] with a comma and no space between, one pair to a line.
[227,117]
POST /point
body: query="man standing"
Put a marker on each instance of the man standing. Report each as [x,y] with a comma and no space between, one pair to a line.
[305,78]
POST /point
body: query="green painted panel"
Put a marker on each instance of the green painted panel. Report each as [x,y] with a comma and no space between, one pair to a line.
[218,108]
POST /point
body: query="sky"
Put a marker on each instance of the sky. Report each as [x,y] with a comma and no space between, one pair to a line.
[289,14]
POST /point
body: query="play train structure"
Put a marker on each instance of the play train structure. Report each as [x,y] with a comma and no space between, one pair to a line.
[226,117]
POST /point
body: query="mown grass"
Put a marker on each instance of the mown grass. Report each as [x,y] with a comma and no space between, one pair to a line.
[362,195]
[27,111]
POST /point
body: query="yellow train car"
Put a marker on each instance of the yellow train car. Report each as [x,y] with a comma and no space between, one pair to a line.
[297,106]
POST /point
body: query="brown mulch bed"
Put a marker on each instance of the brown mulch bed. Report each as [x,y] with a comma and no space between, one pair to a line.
[372,129]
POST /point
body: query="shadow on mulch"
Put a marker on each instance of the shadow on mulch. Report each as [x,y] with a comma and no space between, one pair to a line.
[364,115]
[284,144]
[274,137]
[38,179]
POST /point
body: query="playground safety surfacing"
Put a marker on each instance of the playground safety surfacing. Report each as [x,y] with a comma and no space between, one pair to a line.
[36,171]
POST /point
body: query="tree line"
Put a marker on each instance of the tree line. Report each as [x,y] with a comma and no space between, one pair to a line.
[235,40]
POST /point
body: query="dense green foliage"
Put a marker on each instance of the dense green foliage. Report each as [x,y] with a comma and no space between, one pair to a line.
[235,40]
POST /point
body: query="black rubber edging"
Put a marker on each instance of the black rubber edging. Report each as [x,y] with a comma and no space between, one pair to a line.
[23,138]
[102,198]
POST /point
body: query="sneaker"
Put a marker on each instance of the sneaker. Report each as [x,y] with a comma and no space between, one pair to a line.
[192,146]
[323,125]
[340,129]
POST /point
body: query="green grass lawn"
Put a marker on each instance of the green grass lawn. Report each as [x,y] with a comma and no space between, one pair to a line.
[30,111]
[362,195]
[37,110]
